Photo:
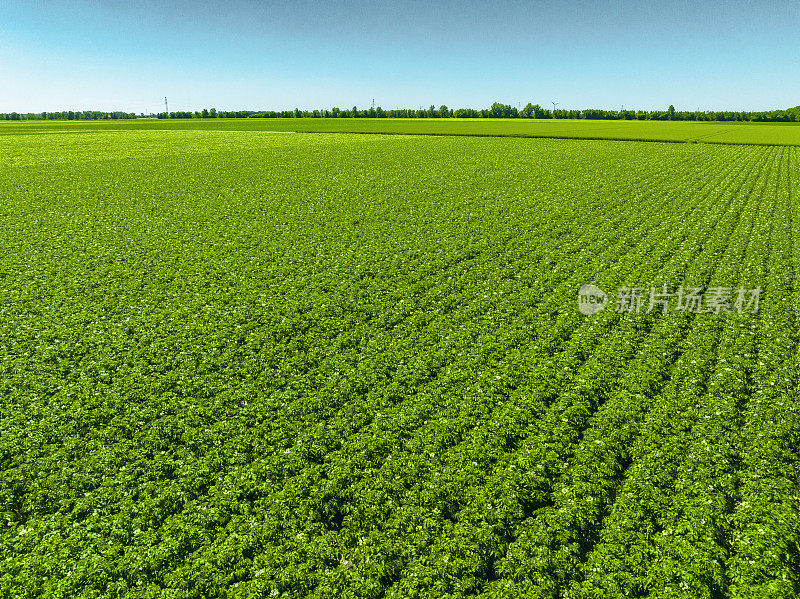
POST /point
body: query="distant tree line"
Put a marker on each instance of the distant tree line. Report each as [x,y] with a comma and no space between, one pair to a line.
[68,115]
[497,111]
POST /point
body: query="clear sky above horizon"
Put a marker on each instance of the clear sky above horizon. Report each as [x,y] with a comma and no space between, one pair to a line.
[242,54]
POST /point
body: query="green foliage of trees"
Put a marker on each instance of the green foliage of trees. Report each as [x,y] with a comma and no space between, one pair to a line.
[496,111]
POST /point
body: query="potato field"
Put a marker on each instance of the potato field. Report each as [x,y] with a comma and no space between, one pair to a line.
[241,364]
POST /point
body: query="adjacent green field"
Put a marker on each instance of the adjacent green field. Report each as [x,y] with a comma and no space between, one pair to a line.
[695,132]
[252,365]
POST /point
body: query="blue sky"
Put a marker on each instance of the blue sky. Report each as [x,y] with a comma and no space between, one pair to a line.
[242,54]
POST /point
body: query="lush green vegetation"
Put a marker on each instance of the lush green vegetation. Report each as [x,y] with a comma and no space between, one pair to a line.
[248,365]
[496,111]
[673,131]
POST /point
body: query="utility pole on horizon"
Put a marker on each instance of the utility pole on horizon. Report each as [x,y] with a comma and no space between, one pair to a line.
[166,105]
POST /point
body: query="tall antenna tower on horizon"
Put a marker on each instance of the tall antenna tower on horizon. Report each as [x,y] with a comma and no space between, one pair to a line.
[166,105]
